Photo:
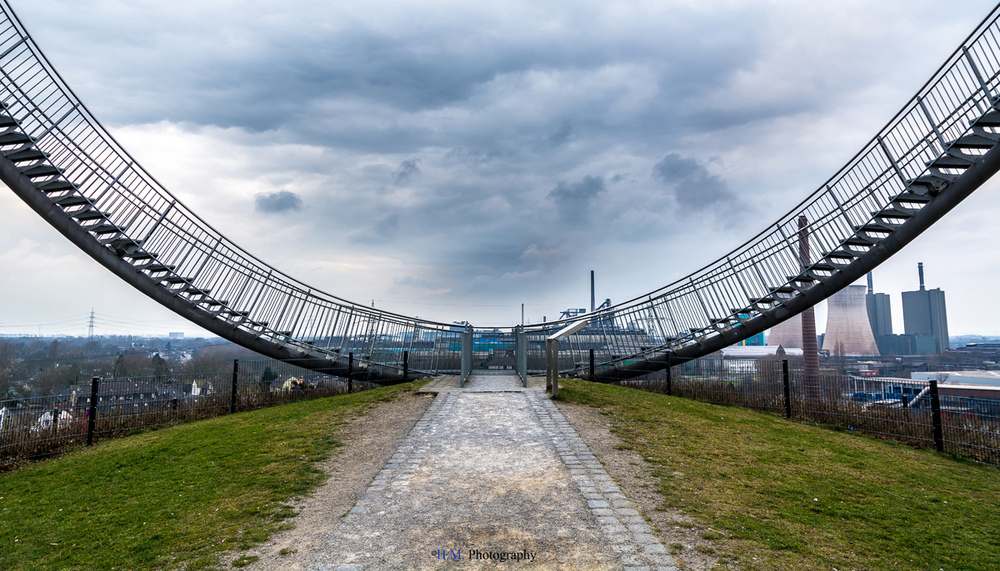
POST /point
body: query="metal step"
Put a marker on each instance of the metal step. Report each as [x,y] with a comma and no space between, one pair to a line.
[859,240]
[140,255]
[841,254]
[40,170]
[952,161]
[876,227]
[107,228]
[15,138]
[893,213]
[7,121]
[121,244]
[25,154]
[72,200]
[990,119]
[88,214]
[911,198]
[931,183]
[155,268]
[192,292]
[974,141]
[822,267]
[56,186]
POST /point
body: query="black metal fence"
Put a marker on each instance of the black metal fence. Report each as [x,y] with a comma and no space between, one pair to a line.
[35,427]
[950,418]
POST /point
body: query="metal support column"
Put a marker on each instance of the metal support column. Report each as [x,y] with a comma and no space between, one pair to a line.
[466,355]
[552,366]
[521,354]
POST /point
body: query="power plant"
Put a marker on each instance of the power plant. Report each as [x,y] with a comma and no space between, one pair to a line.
[788,333]
[859,323]
[925,315]
[848,329]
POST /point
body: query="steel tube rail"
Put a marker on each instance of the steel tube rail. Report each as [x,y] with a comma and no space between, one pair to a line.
[58,158]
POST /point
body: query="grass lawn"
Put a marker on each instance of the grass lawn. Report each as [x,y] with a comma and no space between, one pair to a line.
[785,495]
[172,498]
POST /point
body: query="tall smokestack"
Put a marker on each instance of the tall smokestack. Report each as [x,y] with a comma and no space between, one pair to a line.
[920,270]
[592,291]
[871,288]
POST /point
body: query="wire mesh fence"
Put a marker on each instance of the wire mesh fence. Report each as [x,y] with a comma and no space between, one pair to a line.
[35,427]
[951,418]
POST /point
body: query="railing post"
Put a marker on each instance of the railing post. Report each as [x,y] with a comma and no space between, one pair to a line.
[350,372]
[670,380]
[406,365]
[467,341]
[592,372]
[788,392]
[91,422]
[236,371]
[936,417]
[548,364]
[521,354]
[555,368]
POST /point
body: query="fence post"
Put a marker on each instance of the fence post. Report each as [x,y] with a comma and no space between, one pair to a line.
[406,365]
[936,417]
[670,380]
[236,371]
[350,371]
[788,392]
[592,376]
[548,365]
[55,420]
[91,422]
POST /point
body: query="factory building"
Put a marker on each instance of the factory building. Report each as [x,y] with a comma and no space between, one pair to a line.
[925,314]
[879,311]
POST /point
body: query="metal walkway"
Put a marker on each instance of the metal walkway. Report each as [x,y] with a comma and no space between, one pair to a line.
[59,159]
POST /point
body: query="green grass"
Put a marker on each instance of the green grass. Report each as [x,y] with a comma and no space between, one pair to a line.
[173,498]
[786,495]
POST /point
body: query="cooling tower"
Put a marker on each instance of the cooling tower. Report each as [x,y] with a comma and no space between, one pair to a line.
[848,330]
[788,333]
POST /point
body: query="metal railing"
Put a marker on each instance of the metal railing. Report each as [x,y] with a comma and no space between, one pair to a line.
[36,427]
[922,414]
[109,203]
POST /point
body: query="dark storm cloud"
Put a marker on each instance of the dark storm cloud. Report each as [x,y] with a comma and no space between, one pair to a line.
[405,172]
[574,200]
[280,201]
[561,135]
[693,186]
[329,79]
[526,120]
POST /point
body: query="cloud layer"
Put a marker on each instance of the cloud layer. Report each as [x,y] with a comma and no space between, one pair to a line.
[454,160]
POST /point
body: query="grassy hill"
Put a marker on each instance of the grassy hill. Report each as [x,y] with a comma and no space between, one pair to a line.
[793,496]
[784,495]
[173,498]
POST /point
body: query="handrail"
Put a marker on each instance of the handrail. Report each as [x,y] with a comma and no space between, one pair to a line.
[95,193]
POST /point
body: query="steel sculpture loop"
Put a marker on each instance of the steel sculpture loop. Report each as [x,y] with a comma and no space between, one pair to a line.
[59,159]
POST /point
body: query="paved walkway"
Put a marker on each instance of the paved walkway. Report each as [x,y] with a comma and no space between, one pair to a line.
[493,477]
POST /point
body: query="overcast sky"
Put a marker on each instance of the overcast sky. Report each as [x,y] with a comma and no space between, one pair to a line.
[453,160]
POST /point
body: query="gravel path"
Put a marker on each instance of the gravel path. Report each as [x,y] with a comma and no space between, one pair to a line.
[492,476]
